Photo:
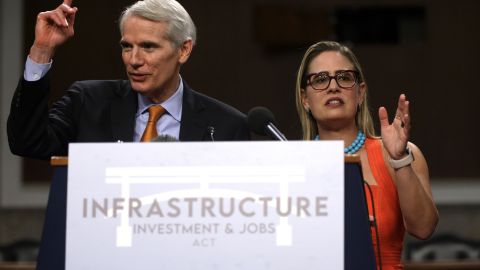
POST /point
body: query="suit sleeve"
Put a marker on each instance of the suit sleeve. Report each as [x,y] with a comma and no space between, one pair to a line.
[33,129]
[232,124]
[243,131]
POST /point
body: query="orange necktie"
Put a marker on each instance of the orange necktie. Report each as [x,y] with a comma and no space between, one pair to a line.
[154,113]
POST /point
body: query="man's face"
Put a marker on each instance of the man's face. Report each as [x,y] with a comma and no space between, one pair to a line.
[151,60]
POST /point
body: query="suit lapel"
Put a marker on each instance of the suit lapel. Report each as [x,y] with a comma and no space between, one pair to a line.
[122,113]
[193,125]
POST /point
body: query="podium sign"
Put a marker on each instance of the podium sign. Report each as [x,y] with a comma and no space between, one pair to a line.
[222,205]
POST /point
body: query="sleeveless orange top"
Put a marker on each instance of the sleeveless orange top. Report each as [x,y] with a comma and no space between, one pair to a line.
[387,209]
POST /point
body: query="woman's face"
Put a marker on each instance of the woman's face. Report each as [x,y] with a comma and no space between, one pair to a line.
[335,104]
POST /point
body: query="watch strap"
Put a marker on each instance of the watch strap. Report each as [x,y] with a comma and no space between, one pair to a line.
[405,161]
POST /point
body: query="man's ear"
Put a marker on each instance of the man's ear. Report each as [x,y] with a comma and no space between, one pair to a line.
[185,51]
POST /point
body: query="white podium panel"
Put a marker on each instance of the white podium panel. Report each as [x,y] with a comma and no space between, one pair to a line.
[222,205]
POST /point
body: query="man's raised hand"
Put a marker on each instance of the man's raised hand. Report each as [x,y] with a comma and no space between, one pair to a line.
[53,28]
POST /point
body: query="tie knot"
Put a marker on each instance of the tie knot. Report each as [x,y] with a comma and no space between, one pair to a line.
[154,113]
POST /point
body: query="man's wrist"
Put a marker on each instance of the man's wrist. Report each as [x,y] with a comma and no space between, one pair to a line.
[41,55]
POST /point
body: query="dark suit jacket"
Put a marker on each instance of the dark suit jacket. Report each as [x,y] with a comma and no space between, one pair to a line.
[104,111]
[96,111]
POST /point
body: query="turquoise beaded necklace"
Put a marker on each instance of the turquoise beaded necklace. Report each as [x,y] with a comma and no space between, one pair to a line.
[356,144]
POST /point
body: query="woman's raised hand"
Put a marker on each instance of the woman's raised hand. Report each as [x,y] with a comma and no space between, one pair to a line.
[395,135]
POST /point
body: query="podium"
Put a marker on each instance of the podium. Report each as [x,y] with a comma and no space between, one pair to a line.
[358,244]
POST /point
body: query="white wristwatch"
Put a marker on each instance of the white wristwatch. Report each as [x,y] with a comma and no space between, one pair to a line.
[400,163]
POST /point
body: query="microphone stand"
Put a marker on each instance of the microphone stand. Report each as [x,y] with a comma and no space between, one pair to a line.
[275,132]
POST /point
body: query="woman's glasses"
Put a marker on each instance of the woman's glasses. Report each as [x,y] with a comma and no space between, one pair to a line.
[321,80]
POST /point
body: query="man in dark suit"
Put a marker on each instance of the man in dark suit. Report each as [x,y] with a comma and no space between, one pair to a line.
[157,38]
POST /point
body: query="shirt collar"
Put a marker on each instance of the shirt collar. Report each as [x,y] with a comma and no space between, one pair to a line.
[173,105]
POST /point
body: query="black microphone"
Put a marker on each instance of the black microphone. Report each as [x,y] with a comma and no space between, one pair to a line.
[261,121]
[164,138]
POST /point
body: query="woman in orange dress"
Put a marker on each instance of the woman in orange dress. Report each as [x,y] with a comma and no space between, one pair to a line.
[331,99]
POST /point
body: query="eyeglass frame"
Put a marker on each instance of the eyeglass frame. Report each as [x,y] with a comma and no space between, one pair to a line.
[309,76]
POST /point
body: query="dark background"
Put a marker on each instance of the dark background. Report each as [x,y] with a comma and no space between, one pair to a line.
[248,52]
